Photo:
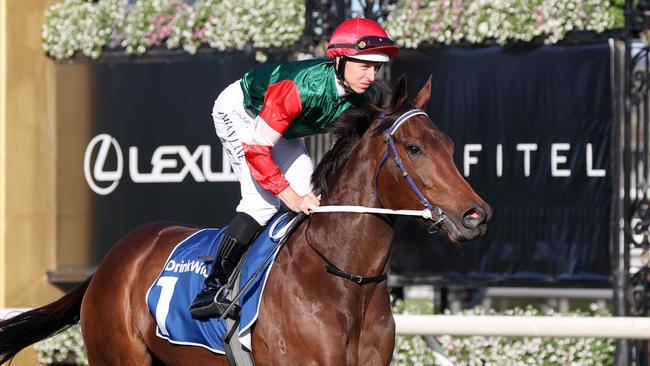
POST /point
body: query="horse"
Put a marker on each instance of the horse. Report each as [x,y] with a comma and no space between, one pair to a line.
[308,315]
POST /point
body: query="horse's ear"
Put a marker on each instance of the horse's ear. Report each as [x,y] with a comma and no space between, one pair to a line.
[399,93]
[422,98]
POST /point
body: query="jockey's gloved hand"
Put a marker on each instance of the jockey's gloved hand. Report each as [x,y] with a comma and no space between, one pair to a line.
[297,203]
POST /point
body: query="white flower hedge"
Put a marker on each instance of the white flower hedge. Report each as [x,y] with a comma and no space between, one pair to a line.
[66,347]
[88,27]
[82,26]
[478,21]
[506,351]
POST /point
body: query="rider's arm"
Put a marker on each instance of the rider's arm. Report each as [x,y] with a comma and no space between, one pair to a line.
[281,106]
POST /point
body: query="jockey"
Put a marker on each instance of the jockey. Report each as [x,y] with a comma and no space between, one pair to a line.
[261,120]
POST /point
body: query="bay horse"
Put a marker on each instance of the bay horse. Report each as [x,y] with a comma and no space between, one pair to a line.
[308,316]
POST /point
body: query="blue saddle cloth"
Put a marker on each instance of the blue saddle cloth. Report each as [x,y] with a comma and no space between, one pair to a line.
[169,297]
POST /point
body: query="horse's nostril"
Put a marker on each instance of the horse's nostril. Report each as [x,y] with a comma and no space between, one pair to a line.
[474,214]
[473,217]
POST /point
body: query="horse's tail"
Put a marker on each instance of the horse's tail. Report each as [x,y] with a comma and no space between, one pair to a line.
[32,326]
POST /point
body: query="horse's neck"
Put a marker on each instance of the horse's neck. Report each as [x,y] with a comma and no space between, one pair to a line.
[360,243]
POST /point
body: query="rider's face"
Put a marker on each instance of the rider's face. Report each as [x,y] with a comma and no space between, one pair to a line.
[360,74]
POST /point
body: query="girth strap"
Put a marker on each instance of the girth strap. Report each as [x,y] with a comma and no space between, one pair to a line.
[359,280]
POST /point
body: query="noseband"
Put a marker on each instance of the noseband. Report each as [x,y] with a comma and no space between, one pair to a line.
[391,148]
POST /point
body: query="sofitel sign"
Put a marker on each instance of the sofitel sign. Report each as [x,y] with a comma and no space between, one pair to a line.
[165,167]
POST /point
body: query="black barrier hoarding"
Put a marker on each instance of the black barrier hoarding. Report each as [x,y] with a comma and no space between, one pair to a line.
[136,144]
[532,131]
[149,152]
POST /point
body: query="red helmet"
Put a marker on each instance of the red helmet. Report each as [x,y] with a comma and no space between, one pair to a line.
[362,39]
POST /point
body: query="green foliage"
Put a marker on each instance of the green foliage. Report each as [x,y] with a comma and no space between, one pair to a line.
[618,13]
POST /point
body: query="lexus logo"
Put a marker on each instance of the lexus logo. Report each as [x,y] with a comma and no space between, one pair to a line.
[169,164]
[97,173]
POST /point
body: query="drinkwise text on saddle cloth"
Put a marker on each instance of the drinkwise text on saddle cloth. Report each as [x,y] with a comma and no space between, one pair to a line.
[197,267]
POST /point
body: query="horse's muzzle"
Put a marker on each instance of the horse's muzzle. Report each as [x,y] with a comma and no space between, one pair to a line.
[476,216]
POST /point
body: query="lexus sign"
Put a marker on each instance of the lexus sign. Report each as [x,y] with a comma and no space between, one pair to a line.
[169,164]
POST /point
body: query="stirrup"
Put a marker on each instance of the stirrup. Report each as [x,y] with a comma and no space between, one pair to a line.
[222,303]
[216,308]
[201,311]
[234,312]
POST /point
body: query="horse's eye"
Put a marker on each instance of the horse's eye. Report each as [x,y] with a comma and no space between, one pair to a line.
[414,149]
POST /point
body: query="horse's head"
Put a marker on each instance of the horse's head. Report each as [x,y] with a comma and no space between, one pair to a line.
[417,168]
[420,171]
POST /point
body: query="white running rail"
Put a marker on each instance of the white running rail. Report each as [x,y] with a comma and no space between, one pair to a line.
[512,326]
[6,313]
[524,326]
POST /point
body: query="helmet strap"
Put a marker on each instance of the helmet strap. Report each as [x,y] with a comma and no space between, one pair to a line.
[340,73]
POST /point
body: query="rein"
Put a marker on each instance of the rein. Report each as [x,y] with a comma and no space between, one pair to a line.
[426,213]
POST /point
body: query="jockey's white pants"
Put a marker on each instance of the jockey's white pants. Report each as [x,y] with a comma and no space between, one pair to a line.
[231,121]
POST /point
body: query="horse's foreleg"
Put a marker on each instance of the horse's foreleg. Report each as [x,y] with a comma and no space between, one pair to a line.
[377,339]
[297,325]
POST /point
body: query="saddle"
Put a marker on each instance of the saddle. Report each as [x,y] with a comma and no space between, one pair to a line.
[279,230]
[182,276]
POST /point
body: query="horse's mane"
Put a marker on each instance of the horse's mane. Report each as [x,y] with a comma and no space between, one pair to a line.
[347,131]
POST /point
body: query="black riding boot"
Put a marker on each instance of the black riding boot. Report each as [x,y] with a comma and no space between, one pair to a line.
[236,239]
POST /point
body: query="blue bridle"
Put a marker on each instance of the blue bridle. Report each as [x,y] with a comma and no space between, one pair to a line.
[427,213]
[390,147]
